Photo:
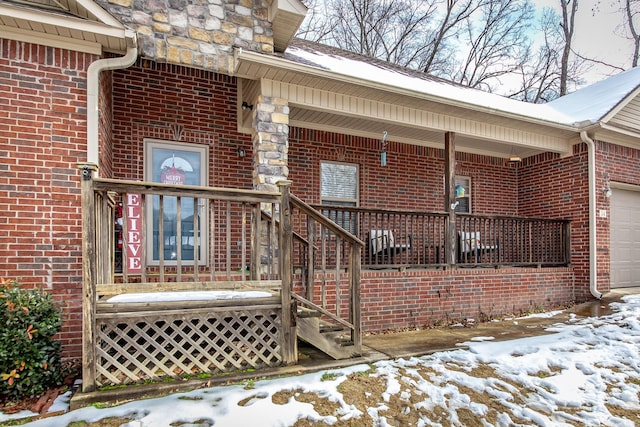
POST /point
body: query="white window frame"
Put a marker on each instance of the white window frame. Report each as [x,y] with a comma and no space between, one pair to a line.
[349,201]
[151,147]
[337,200]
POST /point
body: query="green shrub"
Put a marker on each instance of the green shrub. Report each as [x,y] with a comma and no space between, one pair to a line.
[29,357]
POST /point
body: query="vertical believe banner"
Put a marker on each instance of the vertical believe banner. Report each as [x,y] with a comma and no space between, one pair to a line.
[134,233]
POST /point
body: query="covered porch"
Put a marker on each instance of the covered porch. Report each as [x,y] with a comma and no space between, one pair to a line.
[255,208]
[235,286]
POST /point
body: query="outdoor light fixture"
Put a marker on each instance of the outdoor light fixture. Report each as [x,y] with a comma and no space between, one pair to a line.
[383,154]
[606,190]
[247,106]
[241,152]
[514,158]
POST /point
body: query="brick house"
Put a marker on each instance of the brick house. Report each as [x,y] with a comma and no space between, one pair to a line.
[228,90]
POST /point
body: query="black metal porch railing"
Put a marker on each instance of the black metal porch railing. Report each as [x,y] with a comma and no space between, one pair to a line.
[410,239]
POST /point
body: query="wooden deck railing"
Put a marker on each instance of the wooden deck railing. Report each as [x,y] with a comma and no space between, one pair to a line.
[179,238]
[405,239]
[513,241]
[209,239]
[328,258]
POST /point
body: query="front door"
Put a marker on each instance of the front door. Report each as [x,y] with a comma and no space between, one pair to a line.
[175,163]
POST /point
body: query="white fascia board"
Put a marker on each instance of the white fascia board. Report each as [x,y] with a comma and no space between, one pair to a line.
[615,110]
[100,13]
[62,21]
[51,40]
[276,62]
[291,6]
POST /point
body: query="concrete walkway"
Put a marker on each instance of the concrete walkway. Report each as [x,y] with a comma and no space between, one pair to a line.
[415,343]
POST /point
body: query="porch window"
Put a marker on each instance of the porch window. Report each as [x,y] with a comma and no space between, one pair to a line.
[175,163]
[339,187]
[464,202]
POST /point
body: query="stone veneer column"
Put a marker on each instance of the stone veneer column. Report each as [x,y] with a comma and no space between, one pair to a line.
[270,142]
[270,159]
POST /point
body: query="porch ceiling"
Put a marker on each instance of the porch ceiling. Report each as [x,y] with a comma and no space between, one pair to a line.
[321,101]
[318,120]
[72,24]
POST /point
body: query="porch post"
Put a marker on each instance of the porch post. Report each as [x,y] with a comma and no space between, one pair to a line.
[450,197]
[89,275]
[285,240]
[270,158]
[270,142]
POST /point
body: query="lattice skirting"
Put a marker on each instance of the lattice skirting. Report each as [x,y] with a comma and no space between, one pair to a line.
[135,347]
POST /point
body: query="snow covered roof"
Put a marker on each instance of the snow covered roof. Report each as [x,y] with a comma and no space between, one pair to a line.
[587,104]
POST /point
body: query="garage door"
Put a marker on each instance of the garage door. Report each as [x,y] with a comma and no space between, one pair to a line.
[625,238]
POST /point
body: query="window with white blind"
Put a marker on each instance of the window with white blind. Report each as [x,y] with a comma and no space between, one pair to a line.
[339,187]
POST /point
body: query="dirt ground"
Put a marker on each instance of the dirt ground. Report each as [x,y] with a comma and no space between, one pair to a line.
[365,390]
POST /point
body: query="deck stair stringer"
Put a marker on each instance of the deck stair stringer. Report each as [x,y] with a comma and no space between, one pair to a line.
[331,339]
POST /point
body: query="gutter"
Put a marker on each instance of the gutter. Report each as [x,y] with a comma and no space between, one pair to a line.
[93,92]
[593,270]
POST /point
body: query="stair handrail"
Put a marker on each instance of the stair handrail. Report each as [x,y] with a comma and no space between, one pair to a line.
[356,246]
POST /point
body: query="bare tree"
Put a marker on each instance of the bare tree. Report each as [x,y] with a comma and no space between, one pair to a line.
[487,44]
[540,76]
[569,9]
[497,43]
[390,30]
[631,9]
[316,27]
[455,13]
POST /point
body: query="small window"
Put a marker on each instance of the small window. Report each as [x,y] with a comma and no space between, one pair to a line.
[339,187]
[463,197]
[170,162]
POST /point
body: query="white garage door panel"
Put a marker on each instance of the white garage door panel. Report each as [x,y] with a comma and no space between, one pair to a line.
[625,238]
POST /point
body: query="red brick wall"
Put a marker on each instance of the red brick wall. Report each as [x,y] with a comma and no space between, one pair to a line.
[412,179]
[150,97]
[554,187]
[43,128]
[393,299]
[620,165]
[105,125]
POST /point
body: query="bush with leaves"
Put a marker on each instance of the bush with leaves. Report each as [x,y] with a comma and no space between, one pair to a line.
[30,360]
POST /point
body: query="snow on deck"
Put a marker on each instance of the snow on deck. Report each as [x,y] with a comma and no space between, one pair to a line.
[187,296]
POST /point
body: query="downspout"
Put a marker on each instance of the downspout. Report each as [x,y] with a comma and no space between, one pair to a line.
[93,92]
[593,242]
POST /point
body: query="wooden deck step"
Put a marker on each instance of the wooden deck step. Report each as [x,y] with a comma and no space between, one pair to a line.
[304,312]
[325,327]
[331,342]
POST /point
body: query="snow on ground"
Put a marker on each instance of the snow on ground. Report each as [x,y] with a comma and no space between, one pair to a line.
[586,373]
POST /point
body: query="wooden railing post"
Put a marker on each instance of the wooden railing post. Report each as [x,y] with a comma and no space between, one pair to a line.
[285,245]
[354,284]
[89,273]
[450,197]
[311,237]
[566,236]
